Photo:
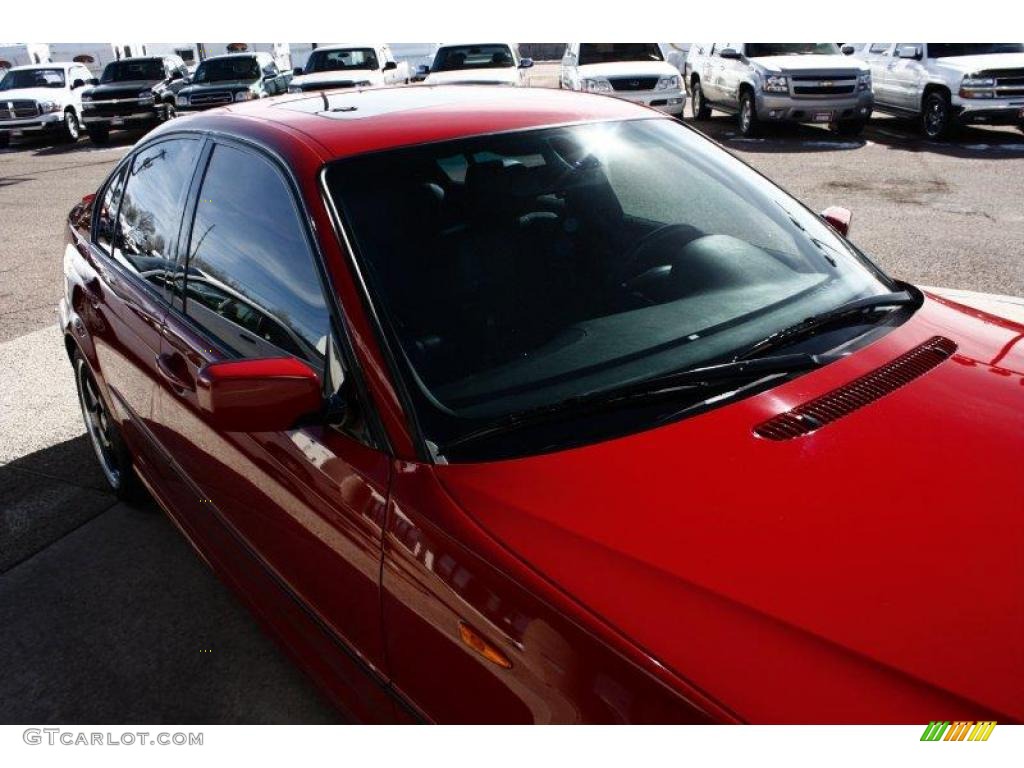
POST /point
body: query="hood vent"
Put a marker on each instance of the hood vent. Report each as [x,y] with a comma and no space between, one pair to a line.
[840,402]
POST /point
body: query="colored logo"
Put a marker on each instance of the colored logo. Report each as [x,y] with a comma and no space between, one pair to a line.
[961,730]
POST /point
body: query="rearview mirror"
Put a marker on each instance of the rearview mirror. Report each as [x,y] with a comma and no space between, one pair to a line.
[729,53]
[909,52]
[838,218]
[263,395]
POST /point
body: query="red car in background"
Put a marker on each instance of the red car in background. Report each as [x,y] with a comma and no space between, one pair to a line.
[526,406]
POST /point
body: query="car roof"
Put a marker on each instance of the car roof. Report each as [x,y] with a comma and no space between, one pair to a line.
[47,65]
[356,121]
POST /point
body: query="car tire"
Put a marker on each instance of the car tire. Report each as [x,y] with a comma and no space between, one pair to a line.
[5,140]
[111,452]
[698,104]
[71,130]
[849,128]
[937,116]
[99,135]
[749,124]
[169,111]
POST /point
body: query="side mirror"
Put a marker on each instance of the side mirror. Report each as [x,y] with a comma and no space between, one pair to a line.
[838,218]
[77,83]
[525,63]
[423,70]
[297,71]
[93,81]
[176,75]
[848,50]
[729,53]
[390,65]
[909,52]
[264,395]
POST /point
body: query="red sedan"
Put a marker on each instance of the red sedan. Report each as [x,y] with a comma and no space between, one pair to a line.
[512,405]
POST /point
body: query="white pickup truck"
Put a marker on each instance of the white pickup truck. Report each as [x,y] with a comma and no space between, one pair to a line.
[636,72]
[43,98]
[946,85]
[349,66]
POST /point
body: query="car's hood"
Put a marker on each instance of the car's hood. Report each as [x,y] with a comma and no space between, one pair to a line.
[969,64]
[120,89]
[497,75]
[868,570]
[331,78]
[809,63]
[36,94]
[628,69]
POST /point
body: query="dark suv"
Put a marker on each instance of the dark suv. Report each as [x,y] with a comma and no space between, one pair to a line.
[133,93]
[221,80]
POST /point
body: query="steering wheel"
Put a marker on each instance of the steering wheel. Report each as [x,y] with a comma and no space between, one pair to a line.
[638,259]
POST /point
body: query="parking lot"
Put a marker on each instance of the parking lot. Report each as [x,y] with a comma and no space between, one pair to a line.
[108,615]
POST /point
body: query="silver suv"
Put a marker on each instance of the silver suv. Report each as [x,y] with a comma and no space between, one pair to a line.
[777,82]
[946,85]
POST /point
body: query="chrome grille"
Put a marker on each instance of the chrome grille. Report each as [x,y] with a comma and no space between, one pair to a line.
[1009,82]
[211,98]
[633,83]
[18,109]
[823,85]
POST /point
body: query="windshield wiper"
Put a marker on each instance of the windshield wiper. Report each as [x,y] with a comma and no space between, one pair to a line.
[711,377]
[812,324]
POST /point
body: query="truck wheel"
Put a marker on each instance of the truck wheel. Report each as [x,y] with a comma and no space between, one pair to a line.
[699,105]
[849,128]
[5,140]
[749,124]
[937,116]
[111,452]
[70,130]
[169,112]
[99,134]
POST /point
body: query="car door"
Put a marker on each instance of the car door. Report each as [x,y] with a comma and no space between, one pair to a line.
[905,78]
[877,56]
[710,75]
[306,505]
[135,238]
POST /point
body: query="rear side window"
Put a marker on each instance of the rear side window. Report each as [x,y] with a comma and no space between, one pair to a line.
[106,217]
[150,214]
[252,280]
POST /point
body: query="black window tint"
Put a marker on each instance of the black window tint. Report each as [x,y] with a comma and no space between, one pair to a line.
[106,216]
[154,196]
[252,280]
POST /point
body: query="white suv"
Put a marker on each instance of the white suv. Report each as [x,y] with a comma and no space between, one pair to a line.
[42,98]
[635,72]
[946,85]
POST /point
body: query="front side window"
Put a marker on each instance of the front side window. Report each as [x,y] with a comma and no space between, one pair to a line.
[251,277]
[106,216]
[226,69]
[454,57]
[943,50]
[148,220]
[140,69]
[535,266]
[607,53]
[757,50]
[341,60]
[32,78]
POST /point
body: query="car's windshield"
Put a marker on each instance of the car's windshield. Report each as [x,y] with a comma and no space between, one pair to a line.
[32,78]
[472,57]
[341,59]
[756,50]
[532,266]
[133,69]
[228,68]
[604,53]
[942,50]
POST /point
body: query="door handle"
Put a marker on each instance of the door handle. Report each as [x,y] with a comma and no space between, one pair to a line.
[165,365]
